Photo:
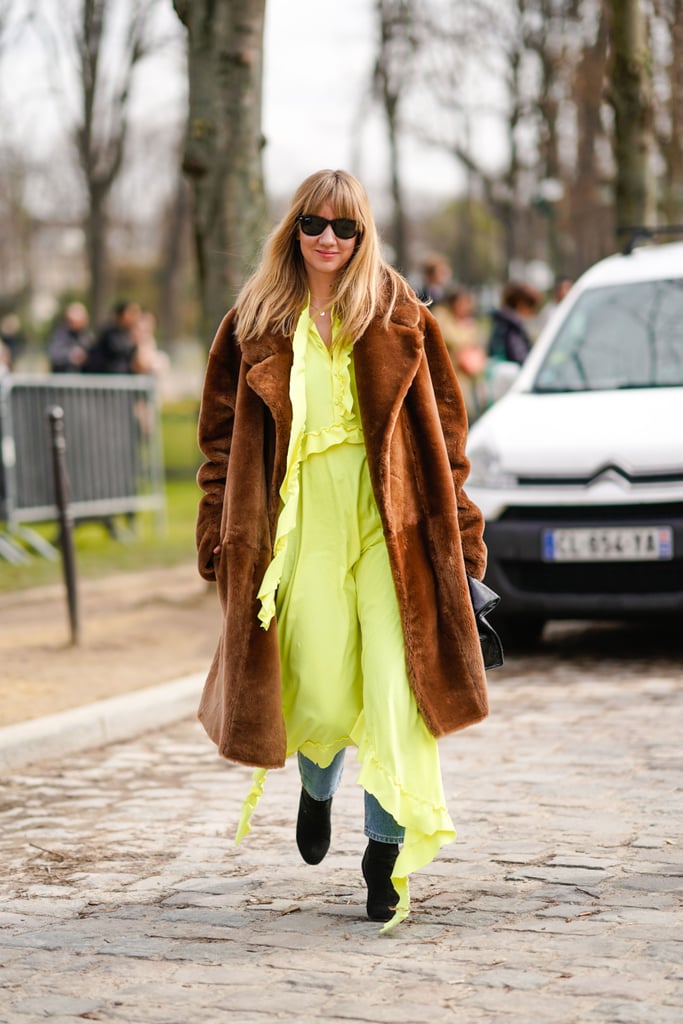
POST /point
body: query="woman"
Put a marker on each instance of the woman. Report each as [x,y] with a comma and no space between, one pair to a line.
[463,340]
[336,526]
[509,339]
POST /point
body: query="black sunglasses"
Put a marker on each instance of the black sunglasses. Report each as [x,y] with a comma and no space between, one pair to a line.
[312,225]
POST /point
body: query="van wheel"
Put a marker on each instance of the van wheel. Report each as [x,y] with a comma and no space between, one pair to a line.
[519,632]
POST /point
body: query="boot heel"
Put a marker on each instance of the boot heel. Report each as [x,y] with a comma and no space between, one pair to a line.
[377,865]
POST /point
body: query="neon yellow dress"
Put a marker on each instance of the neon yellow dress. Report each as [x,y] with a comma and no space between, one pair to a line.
[344,680]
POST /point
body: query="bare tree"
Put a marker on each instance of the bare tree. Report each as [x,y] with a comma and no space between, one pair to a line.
[549,59]
[16,222]
[551,32]
[494,41]
[16,230]
[508,190]
[100,151]
[630,93]
[176,223]
[445,42]
[224,144]
[669,123]
[399,43]
[510,196]
[105,56]
[589,214]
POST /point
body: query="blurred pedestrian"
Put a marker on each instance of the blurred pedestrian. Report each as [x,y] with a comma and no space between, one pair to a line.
[560,288]
[464,341]
[114,349]
[70,341]
[435,273]
[335,523]
[148,360]
[12,337]
[510,339]
[5,359]
[114,352]
[148,357]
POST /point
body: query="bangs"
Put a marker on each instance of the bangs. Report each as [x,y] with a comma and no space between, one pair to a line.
[340,193]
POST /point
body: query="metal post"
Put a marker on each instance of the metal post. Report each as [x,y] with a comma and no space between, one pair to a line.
[66,523]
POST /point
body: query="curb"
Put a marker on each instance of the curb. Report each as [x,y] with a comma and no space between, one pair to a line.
[94,725]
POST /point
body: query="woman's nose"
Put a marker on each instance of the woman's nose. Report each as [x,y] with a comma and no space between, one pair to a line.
[328,236]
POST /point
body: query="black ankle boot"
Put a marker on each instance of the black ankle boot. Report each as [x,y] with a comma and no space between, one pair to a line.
[377,864]
[313,828]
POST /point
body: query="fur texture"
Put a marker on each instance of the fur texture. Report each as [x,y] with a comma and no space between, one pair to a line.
[415,429]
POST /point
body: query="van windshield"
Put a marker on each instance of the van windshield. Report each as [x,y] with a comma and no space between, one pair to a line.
[622,336]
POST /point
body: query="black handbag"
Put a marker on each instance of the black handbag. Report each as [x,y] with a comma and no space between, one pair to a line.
[484,600]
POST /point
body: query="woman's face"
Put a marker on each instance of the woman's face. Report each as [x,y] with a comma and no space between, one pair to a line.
[325,253]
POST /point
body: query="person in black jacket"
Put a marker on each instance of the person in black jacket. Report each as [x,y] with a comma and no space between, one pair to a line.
[12,339]
[115,351]
[115,348]
[509,339]
[70,341]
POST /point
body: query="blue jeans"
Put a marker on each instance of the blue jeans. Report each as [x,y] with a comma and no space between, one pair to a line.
[322,783]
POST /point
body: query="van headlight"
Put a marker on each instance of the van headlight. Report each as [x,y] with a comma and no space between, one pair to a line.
[486,468]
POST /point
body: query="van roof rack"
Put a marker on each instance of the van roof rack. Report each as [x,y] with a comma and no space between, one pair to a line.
[638,234]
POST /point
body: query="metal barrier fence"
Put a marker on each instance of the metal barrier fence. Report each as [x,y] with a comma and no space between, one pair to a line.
[113,451]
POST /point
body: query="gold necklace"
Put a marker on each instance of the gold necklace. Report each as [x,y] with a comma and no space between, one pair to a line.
[320,309]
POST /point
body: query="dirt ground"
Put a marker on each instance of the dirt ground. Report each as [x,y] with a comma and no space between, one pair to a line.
[136,630]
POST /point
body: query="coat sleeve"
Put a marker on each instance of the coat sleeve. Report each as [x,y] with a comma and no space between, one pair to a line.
[216,416]
[453,417]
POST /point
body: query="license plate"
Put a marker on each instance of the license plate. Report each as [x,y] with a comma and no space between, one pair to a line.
[608,544]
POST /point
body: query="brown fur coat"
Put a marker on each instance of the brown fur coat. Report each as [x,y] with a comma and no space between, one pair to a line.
[415,429]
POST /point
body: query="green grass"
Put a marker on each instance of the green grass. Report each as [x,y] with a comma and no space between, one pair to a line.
[98,554]
[179,439]
[147,546]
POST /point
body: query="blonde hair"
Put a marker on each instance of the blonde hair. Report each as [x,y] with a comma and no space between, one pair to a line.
[276,293]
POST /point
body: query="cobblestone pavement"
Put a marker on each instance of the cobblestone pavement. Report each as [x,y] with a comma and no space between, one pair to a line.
[124,900]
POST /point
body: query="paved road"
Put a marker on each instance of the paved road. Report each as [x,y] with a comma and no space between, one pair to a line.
[123,900]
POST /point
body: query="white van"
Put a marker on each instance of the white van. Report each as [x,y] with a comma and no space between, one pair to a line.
[578,469]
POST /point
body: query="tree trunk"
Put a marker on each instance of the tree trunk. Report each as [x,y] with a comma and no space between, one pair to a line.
[102,129]
[96,244]
[224,145]
[177,219]
[671,145]
[547,43]
[630,74]
[510,202]
[588,212]
[398,45]
[398,213]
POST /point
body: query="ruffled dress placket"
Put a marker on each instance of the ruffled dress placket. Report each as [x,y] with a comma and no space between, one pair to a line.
[301,445]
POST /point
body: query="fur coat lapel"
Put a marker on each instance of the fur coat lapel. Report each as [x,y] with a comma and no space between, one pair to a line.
[271,363]
[386,363]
